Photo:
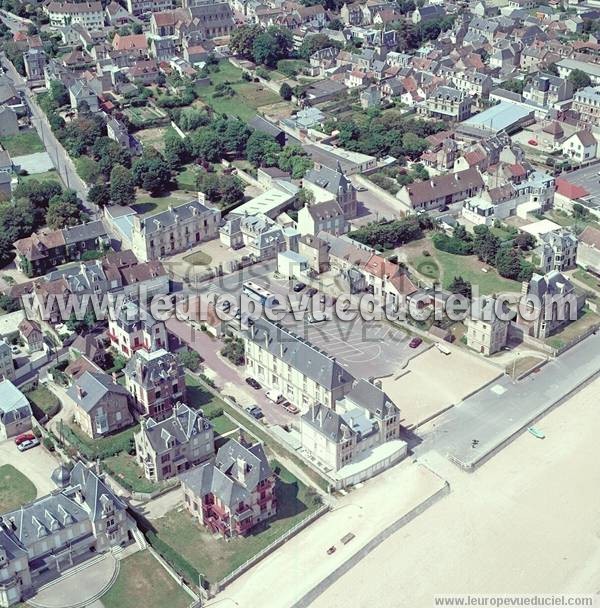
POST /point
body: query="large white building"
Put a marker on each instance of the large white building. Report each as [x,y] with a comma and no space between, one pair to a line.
[88,14]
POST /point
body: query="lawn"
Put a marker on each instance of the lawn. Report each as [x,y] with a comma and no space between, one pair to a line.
[147,205]
[587,278]
[154,137]
[126,471]
[42,177]
[15,489]
[103,447]
[199,258]
[21,144]
[43,402]
[427,266]
[248,95]
[186,178]
[142,581]
[214,557]
[573,330]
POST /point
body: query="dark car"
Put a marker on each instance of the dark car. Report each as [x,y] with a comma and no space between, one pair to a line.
[253,383]
[311,292]
[299,287]
[415,342]
[257,413]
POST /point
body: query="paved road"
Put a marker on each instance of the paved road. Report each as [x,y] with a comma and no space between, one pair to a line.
[495,413]
[61,160]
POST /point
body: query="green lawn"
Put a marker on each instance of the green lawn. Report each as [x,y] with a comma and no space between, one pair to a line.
[573,330]
[589,279]
[126,471]
[248,95]
[214,557]
[142,581]
[21,144]
[43,402]
[51,175]
[186,178]
[199,258]
[15,489]
[147,205]
[99,448]
[427,266]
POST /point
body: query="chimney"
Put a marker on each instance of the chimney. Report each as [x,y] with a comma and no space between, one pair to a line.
[80,392]
[240,469]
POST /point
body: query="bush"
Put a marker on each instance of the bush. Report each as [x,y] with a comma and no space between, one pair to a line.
[49,444]
[451,244]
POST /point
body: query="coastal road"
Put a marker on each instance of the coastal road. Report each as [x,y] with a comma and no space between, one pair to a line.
[60,158]
[497,412]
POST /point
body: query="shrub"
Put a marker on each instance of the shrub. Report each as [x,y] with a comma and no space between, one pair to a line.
[49,444]
[451,244]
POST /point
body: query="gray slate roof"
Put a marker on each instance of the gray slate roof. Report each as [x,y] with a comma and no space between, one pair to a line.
[94,386]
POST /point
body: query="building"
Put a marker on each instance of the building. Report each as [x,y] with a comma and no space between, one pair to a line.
[134,328]
[448,103]
[31,334]
[441,191]
[580,147]
[326,216]
[334,182]
[316,251]
[284,363]
[82,97]
[81,519]
[7,366]
[15,411]
[586,102]
[487,333]
[364,419]
[427,12]
[546,90]
[173,230]
[554,304]
[478,211]
[588,250]
[263,238]
[388,282]
[207,20]
[89,14]
[100,404]
[156,382]
[235,493]
[141,7]
[557,250]
[35,62]
[38,253]
[9,124]
[165,448]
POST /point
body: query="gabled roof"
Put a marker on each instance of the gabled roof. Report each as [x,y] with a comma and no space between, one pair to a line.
[91,387]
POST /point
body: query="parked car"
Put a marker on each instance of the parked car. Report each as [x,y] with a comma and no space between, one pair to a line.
[292,409]
[311,292]
[275,396]
[19,439]
[257,413]
[299,287]
[253,383]
[28,444]
[415,342]
[15,349]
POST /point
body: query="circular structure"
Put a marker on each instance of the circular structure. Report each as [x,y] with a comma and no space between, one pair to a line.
[61,476]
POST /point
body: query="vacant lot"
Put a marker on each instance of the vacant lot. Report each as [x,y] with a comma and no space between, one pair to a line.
[572,331]
[154,137]
[214,557]
[21,144]
[42,177]
[142,581]
[247,97]
[43,402]
[15,489]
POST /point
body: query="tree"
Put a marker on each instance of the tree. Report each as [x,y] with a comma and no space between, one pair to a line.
[151,172]
[63,210]
[485,244]
[99,194]
[262,149]
[508,263]
[579,79]
[271,45]
[176,150]
[122,188]
[461,287]
[232,190]
[312,44]
[285,91]
[295,160]
[190,359]
[516,86]
[59,93]
[234,350]
[38,193]
[242,40]
[207,145]
[191,119]
[234,133]
[524,241]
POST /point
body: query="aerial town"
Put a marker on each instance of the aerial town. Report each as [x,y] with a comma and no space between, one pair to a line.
[296,295]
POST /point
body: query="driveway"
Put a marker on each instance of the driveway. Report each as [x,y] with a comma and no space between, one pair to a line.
[36,464]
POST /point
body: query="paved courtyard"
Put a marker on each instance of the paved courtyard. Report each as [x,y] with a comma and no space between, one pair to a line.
[39,162]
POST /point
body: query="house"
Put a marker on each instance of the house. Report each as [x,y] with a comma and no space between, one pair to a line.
[553,304]
[390,285]
[82,96]
[92,346]
[7,365]
[326,216]
[588,250]
[38,253]
[586,102]
[81,519]
[441,191]
[315,251]
[143,71]
[360,422]
[258,123]
[116,14]
[35,61]
[447,103]
[134,328]
[263,238]
[546,90]
[233,494]
[581,146]
[557,250]
[282,362]
[15,411]
[156,382]
[487,331]
[31,334]
[141,7]
[117,131]
[427,12]
[168,447]
[134,44]
[8,122]
[89,14]
[100,404]
[337,184]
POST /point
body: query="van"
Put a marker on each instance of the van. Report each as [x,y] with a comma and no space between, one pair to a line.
[443,349]
[275,396]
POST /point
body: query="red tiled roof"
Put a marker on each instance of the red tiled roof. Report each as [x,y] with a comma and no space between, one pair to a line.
[569,189]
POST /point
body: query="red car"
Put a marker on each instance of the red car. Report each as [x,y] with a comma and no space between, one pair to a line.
[532,142]
[415,342]
[19,439]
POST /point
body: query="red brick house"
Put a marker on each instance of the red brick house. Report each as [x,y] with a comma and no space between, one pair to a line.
[235,493]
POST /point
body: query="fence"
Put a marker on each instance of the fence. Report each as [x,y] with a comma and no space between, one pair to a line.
[216,587]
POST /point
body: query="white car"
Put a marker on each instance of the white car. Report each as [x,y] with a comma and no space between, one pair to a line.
[27,445]
[275,396]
